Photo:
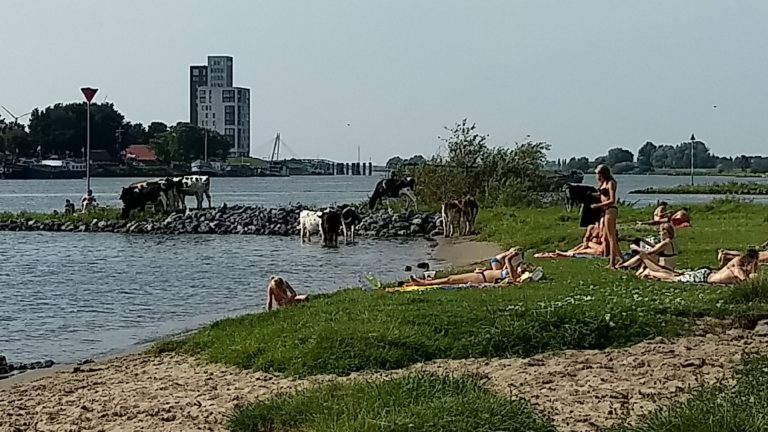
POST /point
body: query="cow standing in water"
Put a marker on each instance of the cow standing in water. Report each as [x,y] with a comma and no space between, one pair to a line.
[391,188]
[195,185]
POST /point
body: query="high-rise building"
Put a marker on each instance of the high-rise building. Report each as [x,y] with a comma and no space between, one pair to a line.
[219,105]
[198,77]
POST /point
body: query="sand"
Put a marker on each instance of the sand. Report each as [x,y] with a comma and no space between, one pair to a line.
[580,390]
[465,252]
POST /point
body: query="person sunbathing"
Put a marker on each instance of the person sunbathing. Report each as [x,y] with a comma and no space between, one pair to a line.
[725,256]
[660,216]
[663,253]
[497,262]
[282,293]
[737,270]
[591,245]
[510,273]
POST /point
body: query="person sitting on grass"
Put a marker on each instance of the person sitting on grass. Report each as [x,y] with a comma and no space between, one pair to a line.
[725,256]
[737,270]
[509,274]
[663,253]
[591,245]
[282,293]
[660,215]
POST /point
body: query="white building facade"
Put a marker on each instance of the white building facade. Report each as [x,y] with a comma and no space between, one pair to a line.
[223,107]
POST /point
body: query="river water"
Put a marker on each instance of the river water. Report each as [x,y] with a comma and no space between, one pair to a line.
[69,296]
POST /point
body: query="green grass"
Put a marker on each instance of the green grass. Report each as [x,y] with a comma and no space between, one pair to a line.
[415,403]
[731,188]
[742,407]
[579,305]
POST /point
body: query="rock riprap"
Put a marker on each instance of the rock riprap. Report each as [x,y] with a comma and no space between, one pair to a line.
[237,219]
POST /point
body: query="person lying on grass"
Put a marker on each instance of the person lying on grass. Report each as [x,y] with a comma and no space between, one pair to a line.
[591,245]
[663,253]
[725,256]
[497,262]
[660,215]
[282,293]
[737,270]
[509,274]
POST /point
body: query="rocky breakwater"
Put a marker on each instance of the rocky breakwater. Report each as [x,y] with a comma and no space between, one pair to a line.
[9,369]
[238,219]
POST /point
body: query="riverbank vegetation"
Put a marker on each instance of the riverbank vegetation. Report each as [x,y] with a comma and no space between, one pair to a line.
[579,305]
[730,188]
[418,403]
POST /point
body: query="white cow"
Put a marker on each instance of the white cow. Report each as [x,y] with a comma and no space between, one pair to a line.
[309,223]
[195,185]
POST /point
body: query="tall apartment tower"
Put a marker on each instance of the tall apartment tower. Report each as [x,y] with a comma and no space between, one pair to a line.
[221,106]
[198,77]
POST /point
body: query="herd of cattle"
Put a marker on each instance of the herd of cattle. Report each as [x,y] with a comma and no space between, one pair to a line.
[166,194]
[170,193]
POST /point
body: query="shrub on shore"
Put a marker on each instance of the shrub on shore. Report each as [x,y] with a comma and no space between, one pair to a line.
[730,188]
[421,402]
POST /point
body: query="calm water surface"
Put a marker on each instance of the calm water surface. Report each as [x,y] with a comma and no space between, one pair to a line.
[69,296]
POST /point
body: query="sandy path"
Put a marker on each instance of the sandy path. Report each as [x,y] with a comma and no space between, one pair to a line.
[463,252]
[580,390]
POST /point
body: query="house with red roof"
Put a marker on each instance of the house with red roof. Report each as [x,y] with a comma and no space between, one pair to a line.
[140,153]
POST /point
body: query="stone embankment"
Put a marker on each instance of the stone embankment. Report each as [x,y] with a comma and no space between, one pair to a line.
[238,219]
[8,369]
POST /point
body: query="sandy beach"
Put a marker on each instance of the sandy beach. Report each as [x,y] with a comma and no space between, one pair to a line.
[580,390]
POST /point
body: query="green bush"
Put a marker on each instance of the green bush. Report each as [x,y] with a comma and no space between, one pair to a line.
[493,175]
[422,402]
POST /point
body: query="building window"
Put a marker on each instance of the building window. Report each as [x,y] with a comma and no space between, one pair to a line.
[227,96]
[195,72]
[206,115]
[202,99]
[213,114]
[229,115]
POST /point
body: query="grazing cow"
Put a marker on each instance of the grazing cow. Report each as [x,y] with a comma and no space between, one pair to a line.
[469,211]
[138,195]
[309,223]
[329,227]
[387,189]
[451,216]
[194,185]
[349,220]
[170,191]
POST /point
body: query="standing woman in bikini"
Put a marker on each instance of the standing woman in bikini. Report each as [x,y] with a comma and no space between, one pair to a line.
[606,186]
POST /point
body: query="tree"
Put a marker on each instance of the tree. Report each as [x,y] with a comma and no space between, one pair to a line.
[759,165]
[394,163]
[415,160]
[62,128]
[663,157]
[742,162]
[14,139]
[645,154]
[154,129]
[133,133]
[580,164]
[623,167]
[186,143]
[618,155]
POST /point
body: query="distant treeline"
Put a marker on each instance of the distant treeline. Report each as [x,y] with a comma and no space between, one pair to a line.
[651,157]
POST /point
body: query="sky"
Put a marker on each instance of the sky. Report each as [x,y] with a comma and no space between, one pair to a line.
[388,75]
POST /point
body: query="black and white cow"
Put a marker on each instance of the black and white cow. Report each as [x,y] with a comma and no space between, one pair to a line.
[194,185]
[330,224]
[137,196]
[350,218]
[388,189]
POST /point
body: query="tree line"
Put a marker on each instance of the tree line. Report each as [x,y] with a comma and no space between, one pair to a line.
[60,130]
[651,157]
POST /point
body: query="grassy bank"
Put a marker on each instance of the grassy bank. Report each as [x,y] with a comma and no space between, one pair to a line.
[579,305]
[731,188]
[417,403]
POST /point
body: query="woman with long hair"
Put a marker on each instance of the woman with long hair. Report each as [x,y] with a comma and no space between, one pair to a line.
[606,186]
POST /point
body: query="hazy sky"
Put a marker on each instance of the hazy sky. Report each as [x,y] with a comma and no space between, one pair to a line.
[583,76]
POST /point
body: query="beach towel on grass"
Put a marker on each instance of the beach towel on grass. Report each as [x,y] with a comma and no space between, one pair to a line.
[526,277]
